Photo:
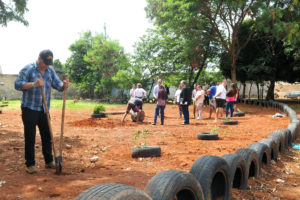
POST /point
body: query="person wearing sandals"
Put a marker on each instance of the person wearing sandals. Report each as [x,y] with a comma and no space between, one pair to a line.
[161,100]
[230,99]
[177,100]
[199,98]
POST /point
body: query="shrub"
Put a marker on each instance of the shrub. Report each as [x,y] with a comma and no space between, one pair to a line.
[98,109]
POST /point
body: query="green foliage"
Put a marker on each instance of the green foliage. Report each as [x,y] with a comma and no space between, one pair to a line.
[13,10]
[137,141]
[213,130]
[95,60]
[59,68]
[98,109]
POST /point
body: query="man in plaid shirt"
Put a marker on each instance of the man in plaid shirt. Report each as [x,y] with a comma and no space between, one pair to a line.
[33,111]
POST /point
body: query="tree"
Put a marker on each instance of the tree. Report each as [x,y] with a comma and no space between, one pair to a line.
[264,59]
[59,68]
[95,60]
[13,10]
[182,43]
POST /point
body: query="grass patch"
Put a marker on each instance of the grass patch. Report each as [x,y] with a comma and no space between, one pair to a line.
[70,104]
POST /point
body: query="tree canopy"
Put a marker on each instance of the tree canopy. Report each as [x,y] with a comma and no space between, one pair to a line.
[13,10]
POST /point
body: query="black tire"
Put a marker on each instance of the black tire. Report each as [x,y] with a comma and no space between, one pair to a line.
[113,192]
[288,137]
[99,115]
[279,141]
[207,136]
[252,166]
[293,128]
[213,174]
[263,153]
[273,148]
[147,151]
[174,184]
[231,122]
[238,114]
[284,136]
[237,165]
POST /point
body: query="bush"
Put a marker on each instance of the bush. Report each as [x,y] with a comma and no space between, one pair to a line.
[98,109]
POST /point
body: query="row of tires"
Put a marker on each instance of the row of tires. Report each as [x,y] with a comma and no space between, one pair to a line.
[210,177]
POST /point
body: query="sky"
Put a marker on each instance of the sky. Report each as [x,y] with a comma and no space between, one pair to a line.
[56,24]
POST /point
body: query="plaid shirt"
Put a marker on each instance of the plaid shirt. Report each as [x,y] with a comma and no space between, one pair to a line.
[32,98]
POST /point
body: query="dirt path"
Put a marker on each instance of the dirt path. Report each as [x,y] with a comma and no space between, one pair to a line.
[111,140]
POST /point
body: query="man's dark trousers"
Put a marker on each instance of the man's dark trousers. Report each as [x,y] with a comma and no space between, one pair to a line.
[31,119]
[186,115]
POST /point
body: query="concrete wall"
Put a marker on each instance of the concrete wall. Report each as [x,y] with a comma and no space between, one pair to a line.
[7,89]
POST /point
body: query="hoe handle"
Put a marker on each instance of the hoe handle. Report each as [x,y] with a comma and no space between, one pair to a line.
[48,118]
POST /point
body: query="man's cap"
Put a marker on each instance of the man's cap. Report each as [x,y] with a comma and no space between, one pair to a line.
[47,57]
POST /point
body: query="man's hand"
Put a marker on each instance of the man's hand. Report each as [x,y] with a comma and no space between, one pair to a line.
[66,83]
[39,82]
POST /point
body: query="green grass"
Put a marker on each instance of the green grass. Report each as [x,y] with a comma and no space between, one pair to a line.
[57,104]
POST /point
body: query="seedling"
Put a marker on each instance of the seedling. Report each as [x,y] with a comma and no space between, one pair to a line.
[99,108]
[227,119]
[136,138]
[213,130]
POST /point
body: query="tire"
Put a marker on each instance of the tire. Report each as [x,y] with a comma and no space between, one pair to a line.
[134,114]
[207,136]
[174,184]
[238,114]
[273,148]
[113,192]
[237,165]
[288,137]
[231,122]
[148,151]
[279,141]
[293,128]
[284,135]
[263,153]
[252,166]
[213,174]
[99,115]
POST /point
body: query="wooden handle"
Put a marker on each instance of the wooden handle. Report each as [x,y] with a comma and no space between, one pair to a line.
[62,122]
[48,118]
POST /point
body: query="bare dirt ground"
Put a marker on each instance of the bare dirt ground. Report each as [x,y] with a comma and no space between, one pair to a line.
[111,141]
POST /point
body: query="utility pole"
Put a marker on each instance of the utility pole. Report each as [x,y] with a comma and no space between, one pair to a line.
[105,30]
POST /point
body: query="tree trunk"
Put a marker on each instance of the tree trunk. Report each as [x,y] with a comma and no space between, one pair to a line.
[233,69]
[270,93]
[257,85]
[249,94]
[262,91]
[150,89]
[244,90]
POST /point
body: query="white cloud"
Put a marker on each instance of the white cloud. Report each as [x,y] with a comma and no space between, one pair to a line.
[56,24]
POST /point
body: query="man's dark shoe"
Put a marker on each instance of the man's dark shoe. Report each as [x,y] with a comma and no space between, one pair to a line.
[184,124]
[31,170]
[50,165]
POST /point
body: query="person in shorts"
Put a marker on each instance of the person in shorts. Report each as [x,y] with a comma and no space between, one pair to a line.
[134,104]
[220,99]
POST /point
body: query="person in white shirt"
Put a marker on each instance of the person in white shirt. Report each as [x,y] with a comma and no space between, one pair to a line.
[131,93]
[199,98]
[194,98]
[177,100]
[139,92]
[220,99]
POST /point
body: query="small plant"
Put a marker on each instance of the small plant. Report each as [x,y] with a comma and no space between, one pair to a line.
[227,119]
[136,138]
[98,109]
[214,130]
[225,132]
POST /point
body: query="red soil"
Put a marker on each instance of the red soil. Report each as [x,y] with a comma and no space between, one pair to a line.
[111,140]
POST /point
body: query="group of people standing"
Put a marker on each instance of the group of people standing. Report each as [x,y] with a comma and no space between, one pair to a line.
[214,96]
